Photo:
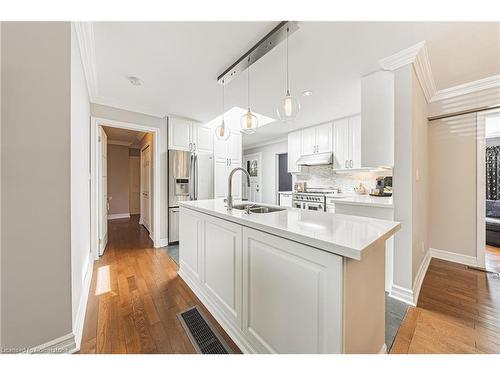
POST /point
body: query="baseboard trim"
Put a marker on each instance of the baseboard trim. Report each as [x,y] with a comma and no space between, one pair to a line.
[82,307]
[454,257]
[402,294]
[419,279]
[62,345]
[119,216]
[383,349]
[163,242]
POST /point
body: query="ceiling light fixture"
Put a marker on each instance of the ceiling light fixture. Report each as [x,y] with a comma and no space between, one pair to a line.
[249,121]
[307,93]
[136,81]
[289,106]
[222,132]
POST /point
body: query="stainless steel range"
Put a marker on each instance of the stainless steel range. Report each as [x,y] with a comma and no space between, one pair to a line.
[313,199]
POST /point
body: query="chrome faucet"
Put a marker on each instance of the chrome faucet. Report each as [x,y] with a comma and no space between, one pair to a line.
[229,199]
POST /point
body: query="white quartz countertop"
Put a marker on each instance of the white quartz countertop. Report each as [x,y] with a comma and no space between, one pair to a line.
[362,200]
[345,235]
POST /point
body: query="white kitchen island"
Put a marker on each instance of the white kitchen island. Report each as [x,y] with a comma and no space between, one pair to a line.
[292,281]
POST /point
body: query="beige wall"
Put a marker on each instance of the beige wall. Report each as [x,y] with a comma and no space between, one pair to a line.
[452,214]
[118,179]
[420,196]
[35,242]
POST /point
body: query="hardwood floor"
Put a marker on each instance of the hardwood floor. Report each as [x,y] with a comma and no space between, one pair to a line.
[138,297]
[492,258]
[458,311]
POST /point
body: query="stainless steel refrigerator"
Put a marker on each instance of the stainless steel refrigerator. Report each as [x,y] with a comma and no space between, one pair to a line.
[190,177]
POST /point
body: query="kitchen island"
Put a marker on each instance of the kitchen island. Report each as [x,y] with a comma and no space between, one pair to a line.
[290,281]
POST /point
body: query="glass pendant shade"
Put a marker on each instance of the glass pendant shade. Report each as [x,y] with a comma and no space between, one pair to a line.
[222,132]
[249,123]
[289,108]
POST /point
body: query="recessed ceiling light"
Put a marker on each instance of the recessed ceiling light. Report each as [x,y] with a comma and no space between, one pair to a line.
[136,81]
[307,93]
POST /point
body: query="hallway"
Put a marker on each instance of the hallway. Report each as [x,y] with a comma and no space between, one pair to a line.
[134,297]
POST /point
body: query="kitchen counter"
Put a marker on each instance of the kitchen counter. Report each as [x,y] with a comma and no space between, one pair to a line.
[344,235]
[361,200]
[261,274]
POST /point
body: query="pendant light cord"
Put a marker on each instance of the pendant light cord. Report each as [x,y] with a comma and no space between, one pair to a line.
[248,85]
[223,114]
[287,79]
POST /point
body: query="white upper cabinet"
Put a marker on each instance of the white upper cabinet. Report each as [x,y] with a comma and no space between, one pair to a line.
[179,134]
[235,144]
[316,139]
[202,138]
[324,138]
[230,149]
[294,145]
[347,143]
[186,135]
[308,141]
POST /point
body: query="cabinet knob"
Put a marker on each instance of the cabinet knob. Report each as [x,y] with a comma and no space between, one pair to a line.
[351,163]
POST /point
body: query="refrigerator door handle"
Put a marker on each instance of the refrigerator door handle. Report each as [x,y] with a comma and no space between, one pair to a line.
[191,178]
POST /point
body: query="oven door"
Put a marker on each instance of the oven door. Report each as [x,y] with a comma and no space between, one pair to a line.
[314,206]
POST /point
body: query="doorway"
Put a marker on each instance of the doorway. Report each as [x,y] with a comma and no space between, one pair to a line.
[488,181]
[106,204]
[253,165]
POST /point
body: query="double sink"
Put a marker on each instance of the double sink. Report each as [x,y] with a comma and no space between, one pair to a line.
[257,208]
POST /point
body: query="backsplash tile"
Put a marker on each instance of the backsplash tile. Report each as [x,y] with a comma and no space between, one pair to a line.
[323,176]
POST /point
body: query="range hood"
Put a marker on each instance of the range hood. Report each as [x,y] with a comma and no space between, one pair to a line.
[324,158]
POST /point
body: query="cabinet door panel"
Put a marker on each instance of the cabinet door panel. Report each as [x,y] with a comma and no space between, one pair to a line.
[308,141]
[300,288]
[294,144]
[355,141]
[222,265]
[237,180]
[190,242]
[221,149]
[179,134]
[340,143]
[202,138]
[235,153]
[220,178]
[324,138]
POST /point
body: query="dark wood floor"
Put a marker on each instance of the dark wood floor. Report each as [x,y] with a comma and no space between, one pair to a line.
[135,308]
[458,311]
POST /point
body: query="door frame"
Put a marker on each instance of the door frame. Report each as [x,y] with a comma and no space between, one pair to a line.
[95,123]
[141,219]
[481,185]
[246,157]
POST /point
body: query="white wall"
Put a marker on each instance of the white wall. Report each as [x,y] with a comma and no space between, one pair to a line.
[80,187]
[0,183]
[111,113]
[269,182]
[36,182]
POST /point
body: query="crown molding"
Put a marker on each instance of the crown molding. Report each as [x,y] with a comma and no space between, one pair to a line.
[120,143]
[467,88]
[266,143]
[418,56]
[86,42]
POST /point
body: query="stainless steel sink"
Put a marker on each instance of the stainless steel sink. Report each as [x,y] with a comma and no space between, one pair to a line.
[257,208]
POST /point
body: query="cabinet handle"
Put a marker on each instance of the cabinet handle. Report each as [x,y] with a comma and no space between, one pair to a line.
[352,163]
[194,146]
[346,164]
[190,146]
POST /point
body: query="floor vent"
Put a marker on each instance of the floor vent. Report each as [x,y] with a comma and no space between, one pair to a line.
[203,336]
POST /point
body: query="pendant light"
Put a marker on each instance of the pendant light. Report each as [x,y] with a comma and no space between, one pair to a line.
[222,132]
[289,106]
[249,121]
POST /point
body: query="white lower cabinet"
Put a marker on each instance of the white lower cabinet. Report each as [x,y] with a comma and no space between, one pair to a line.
[292,296]
[191,236]
[222,266]
[270,294]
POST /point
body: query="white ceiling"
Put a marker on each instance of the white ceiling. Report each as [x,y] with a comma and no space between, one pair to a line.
[179,62]
[124,136]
